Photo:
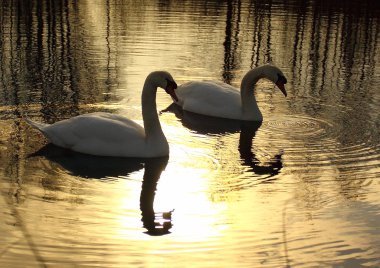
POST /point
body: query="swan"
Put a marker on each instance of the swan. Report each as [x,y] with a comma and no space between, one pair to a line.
[105,134]
[222,100]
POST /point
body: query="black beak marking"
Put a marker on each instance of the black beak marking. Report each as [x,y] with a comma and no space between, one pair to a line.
[281,79]
[171,84]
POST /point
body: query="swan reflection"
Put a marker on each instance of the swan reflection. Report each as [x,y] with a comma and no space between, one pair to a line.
[212,125]
[156,223]
[204,124]
[98,167]
[89,166]
[247,134]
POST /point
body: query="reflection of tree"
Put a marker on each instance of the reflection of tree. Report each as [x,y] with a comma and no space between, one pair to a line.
[112,49]
[333,75]
[231,40]
[299,33]
[261,50]
[337,37]
[45,50]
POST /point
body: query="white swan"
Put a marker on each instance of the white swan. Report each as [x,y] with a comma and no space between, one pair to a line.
[106,134]
[222,100]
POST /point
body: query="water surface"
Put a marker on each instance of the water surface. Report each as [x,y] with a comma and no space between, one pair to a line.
[301,189]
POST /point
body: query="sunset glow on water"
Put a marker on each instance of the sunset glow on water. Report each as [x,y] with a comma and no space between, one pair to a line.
[300,189]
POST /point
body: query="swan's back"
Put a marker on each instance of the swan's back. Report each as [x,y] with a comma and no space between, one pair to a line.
[210,98]
[96,134]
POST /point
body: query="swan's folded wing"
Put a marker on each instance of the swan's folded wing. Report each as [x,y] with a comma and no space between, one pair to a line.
[94,130]
[211,98]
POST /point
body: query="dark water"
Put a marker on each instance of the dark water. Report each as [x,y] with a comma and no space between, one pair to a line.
[300,190]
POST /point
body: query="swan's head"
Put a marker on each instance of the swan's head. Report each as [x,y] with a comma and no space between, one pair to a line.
[274,74]
[170,87]
[164,80]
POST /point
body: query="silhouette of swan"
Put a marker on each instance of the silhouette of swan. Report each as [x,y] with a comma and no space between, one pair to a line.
[99,167]
[214,98]
[107,134]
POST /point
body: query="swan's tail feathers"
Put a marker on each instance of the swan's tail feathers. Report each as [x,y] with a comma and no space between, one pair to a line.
[37,125]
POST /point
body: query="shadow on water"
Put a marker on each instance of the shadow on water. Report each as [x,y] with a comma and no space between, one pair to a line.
[209,125]
[98,167]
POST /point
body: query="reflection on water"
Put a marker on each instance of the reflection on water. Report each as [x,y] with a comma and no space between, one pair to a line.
[247,134]
[301,189]
[202,124]
[88,166]
[155,223]
[96,167]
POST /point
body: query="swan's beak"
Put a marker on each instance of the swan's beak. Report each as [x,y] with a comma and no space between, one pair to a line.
[170,87]
[281,84]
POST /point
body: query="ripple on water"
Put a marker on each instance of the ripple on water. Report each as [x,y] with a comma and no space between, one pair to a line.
[319,143]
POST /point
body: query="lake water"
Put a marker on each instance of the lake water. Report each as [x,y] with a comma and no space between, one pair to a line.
[302,189]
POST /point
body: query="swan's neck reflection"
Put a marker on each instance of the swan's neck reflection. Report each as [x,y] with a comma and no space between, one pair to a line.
[99,167]
[247,134]
[155,223]
[212,125]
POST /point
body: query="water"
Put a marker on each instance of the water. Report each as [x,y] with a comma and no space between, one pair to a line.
[302,189]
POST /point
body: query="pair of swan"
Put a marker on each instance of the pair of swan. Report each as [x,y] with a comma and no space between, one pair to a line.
[106,134]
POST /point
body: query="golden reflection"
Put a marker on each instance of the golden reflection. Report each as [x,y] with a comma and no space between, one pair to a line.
[192,180]
[186,190]
[239,204]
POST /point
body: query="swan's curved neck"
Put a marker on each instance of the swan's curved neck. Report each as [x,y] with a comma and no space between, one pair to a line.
[248,100]
[152,124]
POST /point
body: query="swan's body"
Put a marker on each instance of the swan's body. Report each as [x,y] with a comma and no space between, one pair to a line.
[107,134]
[222,100]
